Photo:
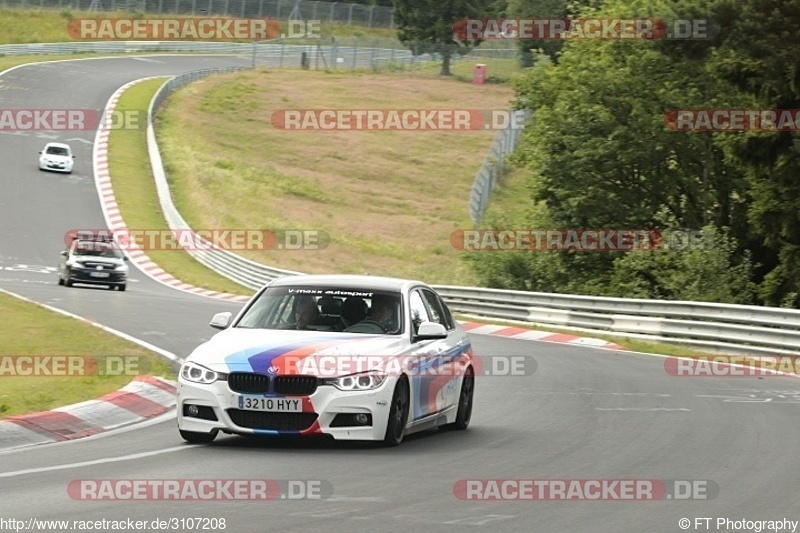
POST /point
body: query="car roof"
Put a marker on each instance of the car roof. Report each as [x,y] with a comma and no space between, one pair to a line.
[346,281]
[56,145]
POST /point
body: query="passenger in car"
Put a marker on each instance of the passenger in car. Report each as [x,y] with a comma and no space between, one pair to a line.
[354,309]
[305,311]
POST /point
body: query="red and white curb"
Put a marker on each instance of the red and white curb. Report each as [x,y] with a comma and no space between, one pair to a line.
[143,398]
[114,219]
[530,335]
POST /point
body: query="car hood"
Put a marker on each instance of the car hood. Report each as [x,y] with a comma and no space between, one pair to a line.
[57,158]
[97,259]
[289,352]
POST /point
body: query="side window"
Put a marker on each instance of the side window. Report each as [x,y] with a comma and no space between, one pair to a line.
[419,313]
[439,312]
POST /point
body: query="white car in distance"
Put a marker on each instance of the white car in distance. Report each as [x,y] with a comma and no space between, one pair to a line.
[57,157]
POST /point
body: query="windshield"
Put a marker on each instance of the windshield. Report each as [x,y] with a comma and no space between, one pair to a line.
[349,310]
[57,150]
[99,249]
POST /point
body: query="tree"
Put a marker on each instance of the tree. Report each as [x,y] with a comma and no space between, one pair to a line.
[427,26]
[598,155]
[542,9]
[765,64]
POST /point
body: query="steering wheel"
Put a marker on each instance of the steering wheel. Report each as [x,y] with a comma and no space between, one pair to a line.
[366,326]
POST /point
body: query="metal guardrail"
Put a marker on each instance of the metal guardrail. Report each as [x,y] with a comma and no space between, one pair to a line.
[341,12]
[505,142]
[742,328]
[275,53]
[125,47]
[736,328]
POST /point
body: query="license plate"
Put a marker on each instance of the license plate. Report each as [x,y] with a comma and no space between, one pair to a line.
[99,274]
[274,405]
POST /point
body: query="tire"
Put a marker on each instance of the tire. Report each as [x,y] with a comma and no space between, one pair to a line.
[67,281]
[60,280]
[465,400]
[398,414]
[122,288]
[194,437]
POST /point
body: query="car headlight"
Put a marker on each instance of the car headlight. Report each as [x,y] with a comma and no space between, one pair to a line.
[121,268]
[357,382]
[198,374]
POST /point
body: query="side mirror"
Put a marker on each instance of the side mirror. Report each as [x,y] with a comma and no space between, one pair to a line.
[40,151]
[125,258]
[221,320]
[431,330]
[73,157]
[64,253]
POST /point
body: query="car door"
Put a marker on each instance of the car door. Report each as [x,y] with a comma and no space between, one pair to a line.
[429,393]
[449,380]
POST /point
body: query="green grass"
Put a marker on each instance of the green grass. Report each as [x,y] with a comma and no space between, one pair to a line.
[497,70]
[136,194]
[21,26]
[389,200]
[29,329]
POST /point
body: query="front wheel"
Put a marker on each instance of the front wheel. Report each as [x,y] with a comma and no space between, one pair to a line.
[398,414]
[194,437]
[464,413]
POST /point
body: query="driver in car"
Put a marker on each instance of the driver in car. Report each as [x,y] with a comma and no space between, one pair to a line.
[382,312]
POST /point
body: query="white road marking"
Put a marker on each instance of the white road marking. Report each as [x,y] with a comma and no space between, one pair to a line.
[108,460]
[641,409]
[78,139]
[480,520]
[341,498]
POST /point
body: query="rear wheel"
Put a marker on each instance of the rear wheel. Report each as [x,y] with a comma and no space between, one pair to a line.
[398,414]
[464,413]
[194,437]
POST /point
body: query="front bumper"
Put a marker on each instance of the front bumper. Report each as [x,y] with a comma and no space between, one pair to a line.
[57,167]
[319,411]
[90,275]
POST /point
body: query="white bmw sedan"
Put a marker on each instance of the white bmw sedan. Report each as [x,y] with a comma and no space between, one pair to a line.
[351,357]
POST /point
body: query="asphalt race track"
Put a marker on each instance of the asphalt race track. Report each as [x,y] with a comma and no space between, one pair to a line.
[584,414]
